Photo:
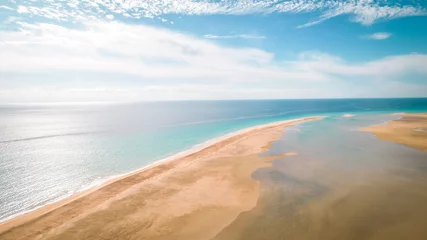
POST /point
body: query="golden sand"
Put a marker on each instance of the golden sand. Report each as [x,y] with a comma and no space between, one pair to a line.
[190,197]
[410,130]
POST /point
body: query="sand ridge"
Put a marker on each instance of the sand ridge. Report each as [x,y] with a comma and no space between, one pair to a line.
[190,197]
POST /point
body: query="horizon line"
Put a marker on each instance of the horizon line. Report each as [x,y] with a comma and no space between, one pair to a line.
[192,100]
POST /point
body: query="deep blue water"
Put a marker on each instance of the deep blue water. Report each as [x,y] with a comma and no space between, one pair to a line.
[48,152]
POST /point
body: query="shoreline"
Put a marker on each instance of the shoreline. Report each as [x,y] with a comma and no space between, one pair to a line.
[173,159]
[409,129]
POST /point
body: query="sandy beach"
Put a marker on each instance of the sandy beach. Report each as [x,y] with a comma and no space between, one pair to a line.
[409,130]
[187,197]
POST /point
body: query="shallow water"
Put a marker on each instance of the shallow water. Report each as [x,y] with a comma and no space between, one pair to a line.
[48,152]
[343,184]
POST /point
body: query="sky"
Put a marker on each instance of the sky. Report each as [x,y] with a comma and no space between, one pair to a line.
[150,50]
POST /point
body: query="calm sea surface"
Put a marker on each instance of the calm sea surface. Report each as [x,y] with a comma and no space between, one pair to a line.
[48,152]
[343,184]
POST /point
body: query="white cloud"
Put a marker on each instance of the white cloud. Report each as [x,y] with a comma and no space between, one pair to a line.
[365,12]
[6,7]
[22,9]
[154,52]
[11,19]
[379,36]
[244,36]
[109,17]
[130,49]
[164,64]
[59,13]
[386,68]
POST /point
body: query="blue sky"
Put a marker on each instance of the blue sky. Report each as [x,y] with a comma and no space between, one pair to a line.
[144,50]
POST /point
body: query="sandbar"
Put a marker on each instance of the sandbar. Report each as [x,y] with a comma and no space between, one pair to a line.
[410,130]
[191,196]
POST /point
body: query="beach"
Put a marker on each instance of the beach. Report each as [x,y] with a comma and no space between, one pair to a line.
[410,130]
[213,120]
[307,178]
[189,197]
[51,152]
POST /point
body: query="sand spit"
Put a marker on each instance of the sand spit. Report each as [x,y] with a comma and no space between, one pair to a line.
[190,196]
[405,130]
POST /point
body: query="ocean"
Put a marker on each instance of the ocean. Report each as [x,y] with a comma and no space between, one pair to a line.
[51,151]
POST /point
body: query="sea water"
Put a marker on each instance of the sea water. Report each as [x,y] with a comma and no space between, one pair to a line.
[48,152]
[343,183]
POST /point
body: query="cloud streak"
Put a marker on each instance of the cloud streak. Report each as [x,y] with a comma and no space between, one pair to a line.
[366,12]
[6,7]
[378,36]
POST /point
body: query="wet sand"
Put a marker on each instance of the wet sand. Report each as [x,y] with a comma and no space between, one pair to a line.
[302,209]
[330,197]
[189,197]
[410,130]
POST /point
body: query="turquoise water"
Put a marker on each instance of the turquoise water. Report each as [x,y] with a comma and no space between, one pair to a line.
[48,152]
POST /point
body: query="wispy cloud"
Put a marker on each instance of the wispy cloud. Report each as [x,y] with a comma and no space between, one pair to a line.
[11,19]
[143,51]
[378,36]
[109,17]
[244,36]
[127,49]
[366,12]
[6,7]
